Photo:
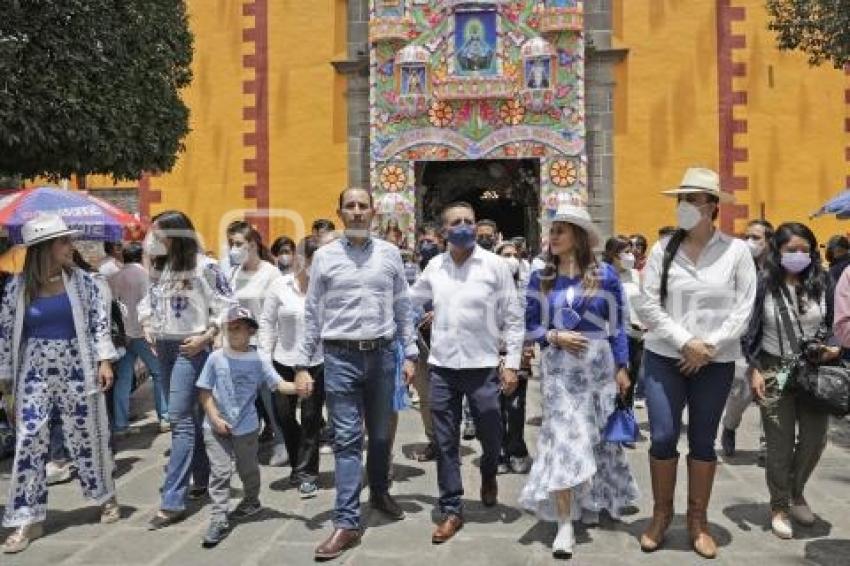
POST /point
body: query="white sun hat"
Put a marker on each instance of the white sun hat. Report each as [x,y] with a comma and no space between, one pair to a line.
[701,180]
[43,227]
[578,216]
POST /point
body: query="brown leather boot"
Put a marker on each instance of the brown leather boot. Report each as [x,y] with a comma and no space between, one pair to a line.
[339,541]
[663,487]
[447,528]
[700,481]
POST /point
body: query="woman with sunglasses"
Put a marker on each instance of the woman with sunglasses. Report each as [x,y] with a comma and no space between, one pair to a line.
[697,295]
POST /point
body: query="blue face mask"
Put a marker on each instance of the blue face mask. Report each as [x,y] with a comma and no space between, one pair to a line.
[462,236]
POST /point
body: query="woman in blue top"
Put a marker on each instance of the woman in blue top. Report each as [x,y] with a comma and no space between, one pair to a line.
[55,355]
[575,312]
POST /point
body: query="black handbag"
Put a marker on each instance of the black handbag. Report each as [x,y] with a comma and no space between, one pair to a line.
[825,386]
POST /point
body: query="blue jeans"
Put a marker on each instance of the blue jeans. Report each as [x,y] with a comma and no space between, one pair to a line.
[667,393]
[136,348]
[188,456]
[448,387]
[359,386]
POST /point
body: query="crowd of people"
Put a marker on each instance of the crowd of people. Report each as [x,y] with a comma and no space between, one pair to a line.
[319,341]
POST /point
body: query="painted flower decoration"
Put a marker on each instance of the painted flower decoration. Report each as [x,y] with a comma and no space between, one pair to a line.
[563,173]
[440,114]
[512,112]
[393,178]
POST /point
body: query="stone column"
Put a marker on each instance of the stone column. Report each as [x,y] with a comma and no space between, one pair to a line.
[600,59]
[358,93]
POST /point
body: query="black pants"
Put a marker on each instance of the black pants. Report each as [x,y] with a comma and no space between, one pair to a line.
[513,421]
[635,361]
[301,440]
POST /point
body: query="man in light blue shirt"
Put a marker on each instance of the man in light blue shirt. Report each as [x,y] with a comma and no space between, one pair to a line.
[357,304]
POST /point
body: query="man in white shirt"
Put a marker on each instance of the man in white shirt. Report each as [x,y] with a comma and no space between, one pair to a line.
[112,262]
[475,305]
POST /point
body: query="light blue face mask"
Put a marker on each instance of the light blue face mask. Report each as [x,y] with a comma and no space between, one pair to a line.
[796,262]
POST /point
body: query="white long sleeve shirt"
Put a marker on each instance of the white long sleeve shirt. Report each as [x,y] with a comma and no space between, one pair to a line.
[711,300]
[178,305]
[476,304]
[282,323]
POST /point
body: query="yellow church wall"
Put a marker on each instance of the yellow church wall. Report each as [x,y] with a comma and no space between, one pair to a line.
[667,116]
[796,138]
[307,115]
[665,107]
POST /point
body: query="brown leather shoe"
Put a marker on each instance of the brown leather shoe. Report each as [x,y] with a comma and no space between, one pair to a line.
[489,491]
[339,541]
[387,505]
[447,529]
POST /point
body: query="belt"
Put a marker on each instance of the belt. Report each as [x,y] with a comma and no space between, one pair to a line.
[360,345]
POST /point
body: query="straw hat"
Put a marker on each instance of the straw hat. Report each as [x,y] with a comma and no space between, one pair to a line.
[578,216]
[43,227]
[701,180]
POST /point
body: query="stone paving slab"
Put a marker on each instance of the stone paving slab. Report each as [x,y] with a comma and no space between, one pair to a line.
[290,528]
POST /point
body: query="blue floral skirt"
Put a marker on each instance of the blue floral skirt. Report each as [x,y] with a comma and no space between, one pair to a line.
[579,393]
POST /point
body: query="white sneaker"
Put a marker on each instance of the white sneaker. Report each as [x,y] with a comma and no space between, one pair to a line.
[58,472]
[280,457]
[589,518]
[781,525]
[802,513]
[562,546]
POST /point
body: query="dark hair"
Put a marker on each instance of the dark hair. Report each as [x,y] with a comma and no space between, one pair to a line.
[324,223]
[132,253]
[584,257]
[488,222]
[251,234]
[429,228]
[767,226]
[283,242]
[184,249]
[456,204]
[365,190]
[665,231]
[813,279]
[838,243]
[110,247]
[308,246]
[80,262]
[614,247]
[640,240]
[670,251]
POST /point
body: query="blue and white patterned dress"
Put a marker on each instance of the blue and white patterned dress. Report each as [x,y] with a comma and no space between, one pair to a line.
[578,394]
[56,373]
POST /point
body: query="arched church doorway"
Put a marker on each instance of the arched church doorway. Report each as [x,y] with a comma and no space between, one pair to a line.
[506,191]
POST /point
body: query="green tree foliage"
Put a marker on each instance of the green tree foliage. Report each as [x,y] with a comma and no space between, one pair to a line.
[819,28]
[92,86]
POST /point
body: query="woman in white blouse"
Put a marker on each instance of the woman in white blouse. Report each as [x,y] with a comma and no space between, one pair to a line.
[791,307]
[697,295]
[281,329]
[251,274]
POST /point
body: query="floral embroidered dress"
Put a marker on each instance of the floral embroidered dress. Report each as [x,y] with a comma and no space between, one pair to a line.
[579,394]
[50,350]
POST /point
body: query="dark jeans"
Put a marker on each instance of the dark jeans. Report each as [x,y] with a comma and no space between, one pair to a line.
[359,387]
[448,386]
[188,456]
[513,422]
[636,389]
[302,440]
[667,393]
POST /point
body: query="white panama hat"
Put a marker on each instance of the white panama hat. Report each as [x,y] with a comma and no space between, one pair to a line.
[578,216]
[43,227]
[701,180]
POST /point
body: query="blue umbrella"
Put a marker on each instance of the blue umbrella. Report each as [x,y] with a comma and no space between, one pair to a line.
[839,206]
[94,217]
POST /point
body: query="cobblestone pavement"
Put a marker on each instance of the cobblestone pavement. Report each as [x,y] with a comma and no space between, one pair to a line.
[289,529]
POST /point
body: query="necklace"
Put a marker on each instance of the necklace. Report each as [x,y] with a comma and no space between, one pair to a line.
[54,278]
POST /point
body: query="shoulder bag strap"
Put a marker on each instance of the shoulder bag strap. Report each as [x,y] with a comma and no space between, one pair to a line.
[782,306]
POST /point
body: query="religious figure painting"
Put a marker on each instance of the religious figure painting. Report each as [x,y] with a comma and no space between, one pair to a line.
[475,42]
[538,72]
[413,79]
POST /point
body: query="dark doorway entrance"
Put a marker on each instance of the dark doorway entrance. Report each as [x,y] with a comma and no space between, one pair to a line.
[506,191]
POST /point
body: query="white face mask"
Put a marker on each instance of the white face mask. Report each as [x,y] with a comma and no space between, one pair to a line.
[513,264]
[627,260]
[238,255]
[756,247]
[154,247]
[688,215]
